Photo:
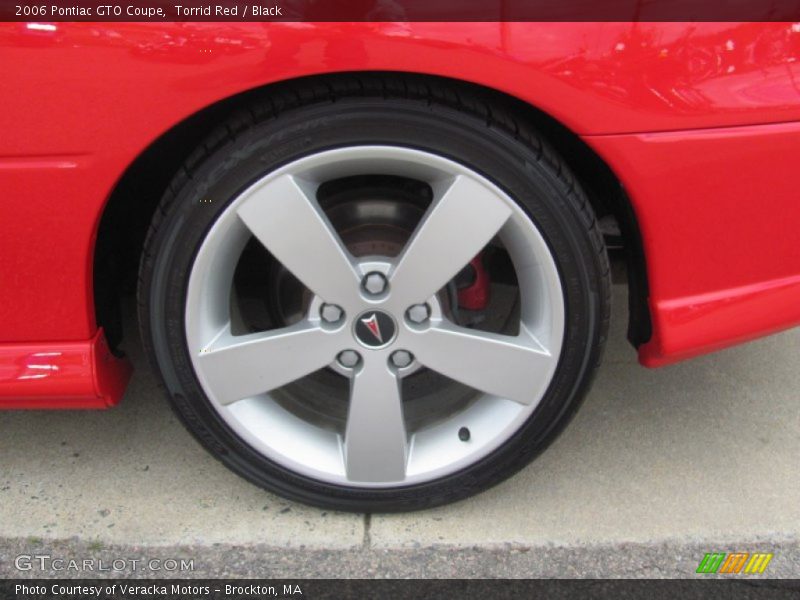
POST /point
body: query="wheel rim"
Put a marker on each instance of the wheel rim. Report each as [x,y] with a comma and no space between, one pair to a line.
[242,374]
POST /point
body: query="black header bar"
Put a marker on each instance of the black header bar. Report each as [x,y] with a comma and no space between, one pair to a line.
[399,10]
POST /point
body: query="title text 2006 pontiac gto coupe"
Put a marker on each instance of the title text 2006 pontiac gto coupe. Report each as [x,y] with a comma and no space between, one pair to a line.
[368,258]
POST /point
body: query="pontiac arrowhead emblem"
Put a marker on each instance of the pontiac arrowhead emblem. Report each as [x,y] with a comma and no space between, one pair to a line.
[372,324]
[375,329]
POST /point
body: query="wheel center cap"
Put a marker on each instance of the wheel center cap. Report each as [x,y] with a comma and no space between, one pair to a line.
[375,329]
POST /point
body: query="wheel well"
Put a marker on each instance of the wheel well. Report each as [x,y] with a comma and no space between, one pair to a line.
[135,198]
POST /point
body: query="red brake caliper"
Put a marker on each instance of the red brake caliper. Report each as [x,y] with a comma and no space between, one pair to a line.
[475,295]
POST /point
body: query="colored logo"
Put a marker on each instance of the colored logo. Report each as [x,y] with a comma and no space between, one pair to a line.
[735,563]
[375,329]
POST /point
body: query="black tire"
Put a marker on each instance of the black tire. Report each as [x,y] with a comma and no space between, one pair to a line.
[446,119]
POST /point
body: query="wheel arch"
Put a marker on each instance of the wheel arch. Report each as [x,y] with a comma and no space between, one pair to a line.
[126,216]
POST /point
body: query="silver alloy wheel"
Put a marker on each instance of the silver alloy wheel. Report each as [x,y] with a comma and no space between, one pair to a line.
[239,373]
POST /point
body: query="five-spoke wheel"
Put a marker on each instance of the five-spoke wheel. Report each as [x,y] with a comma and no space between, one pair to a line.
[375,318]
[376,304]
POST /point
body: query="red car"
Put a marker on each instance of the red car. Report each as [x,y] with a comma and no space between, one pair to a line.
[371,258]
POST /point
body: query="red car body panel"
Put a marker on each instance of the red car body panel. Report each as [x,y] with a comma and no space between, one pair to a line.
[698,120]
[718,214]
[62,375]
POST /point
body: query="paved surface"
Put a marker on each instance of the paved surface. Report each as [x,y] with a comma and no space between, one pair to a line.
[659,467]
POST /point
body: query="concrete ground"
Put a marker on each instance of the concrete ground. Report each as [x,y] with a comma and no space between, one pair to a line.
[658,468]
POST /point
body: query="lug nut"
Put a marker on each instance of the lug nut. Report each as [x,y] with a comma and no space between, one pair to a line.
[375,283]
[402,358]
[419,313]
[348,358]
[331,313]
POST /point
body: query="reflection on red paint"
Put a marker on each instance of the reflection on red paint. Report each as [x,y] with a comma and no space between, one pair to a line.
[66,375]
